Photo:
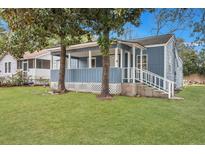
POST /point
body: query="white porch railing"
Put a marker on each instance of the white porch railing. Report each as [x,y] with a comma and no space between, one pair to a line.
[148,78]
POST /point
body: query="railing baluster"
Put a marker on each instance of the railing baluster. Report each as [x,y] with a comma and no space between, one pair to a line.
[148,78]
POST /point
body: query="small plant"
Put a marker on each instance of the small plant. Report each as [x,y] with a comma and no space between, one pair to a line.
[42,81]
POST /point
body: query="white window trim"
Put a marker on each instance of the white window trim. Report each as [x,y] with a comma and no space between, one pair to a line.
[143,63]
[6,68]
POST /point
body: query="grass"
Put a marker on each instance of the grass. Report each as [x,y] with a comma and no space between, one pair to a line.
[32,116]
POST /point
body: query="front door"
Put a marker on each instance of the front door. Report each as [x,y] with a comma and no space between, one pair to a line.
[25,68]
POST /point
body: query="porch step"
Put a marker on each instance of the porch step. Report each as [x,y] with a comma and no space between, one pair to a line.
[131,89]
[147,91]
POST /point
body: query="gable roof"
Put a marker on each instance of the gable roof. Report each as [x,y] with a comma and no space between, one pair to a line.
[152,40]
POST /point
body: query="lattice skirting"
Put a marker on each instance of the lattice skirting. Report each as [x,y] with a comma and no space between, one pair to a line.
[115,88]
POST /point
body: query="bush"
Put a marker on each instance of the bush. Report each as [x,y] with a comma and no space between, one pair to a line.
[17,79]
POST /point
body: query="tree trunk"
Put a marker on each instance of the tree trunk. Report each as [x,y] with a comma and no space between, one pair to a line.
[61,81]
[105,76]
[105,93]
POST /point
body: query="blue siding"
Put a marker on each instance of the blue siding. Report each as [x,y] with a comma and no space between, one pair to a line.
[87,75]
[156,60]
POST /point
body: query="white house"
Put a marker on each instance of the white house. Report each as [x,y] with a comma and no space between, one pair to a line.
[8,65]
[34,65]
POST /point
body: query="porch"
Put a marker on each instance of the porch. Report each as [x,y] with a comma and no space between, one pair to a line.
[35,69]
[84,69]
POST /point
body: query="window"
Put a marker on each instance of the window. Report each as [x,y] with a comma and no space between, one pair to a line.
[8,67]
[45,64]
[31,63]
[5,67]
[144,61]
[39,63]
[25,66]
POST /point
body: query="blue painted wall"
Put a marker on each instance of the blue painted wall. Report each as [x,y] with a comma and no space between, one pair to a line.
[155,59]
[87,75]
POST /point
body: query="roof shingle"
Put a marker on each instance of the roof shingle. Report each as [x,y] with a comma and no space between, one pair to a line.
[152,40]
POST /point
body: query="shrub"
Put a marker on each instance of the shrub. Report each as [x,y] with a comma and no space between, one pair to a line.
[17,79]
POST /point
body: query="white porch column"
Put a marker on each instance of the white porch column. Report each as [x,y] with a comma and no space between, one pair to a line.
[36,61]
[141,73]
[134,60]
[128,65]
[69,61]
[116,57]
[51,63]
[121,58]
[90,60]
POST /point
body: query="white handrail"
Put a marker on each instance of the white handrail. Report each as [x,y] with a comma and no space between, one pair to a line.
[150,79]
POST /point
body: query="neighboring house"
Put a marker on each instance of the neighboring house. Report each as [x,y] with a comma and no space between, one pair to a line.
[34,65]
[149,67]
[8,65]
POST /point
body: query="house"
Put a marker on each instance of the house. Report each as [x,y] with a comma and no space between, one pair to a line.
[35,66]
[148,66]
[8,65]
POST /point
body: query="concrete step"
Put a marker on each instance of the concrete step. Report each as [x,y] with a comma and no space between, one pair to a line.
[131,89]
[148,91]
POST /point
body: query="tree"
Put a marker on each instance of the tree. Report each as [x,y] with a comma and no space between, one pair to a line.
[33,28]
[189,58]
[3,39]
[172,20]
[103,21]
[201,60]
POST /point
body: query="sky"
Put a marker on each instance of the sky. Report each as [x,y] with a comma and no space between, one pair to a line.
[146,29]
[147,26]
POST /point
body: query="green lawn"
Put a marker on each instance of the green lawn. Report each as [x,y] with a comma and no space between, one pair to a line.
[32,116]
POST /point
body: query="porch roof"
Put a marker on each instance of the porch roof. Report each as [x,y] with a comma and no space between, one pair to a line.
[139,43]
[36,54]
[94,44]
